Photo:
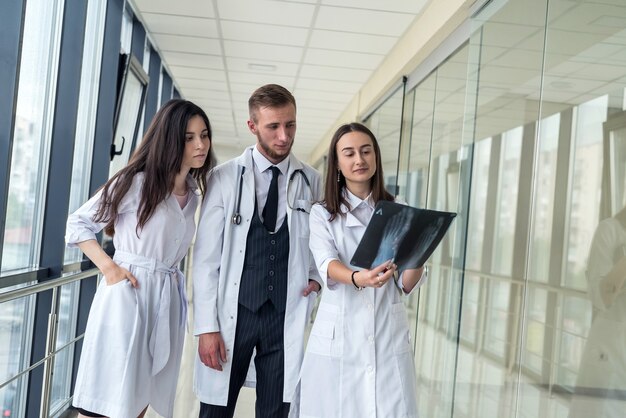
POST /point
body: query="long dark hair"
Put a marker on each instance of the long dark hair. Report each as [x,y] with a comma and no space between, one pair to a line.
[159,156]
[333,191]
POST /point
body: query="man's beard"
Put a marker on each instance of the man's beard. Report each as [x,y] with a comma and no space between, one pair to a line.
[270,152]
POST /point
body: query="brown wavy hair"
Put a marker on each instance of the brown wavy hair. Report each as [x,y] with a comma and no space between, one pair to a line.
[159,156]
[335,183]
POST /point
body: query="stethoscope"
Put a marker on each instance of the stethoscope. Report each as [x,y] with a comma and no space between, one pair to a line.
[236,218]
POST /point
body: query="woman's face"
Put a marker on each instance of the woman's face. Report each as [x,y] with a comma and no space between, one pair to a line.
[197,143]
[356,158]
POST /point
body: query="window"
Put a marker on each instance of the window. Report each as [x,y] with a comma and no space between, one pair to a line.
[33,120]
[86,118]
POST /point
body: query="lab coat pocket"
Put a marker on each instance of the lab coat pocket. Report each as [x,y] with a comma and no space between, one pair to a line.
[321,338]
[118,304]
[401,336]
[109,286]
[326,338]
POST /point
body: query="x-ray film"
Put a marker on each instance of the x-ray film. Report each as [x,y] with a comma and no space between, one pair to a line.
[401,233]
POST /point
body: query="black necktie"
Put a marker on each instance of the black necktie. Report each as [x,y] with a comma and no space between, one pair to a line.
[271,205]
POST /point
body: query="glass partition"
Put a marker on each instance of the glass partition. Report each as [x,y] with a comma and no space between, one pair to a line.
[86,120]
[539,161]
[584,360]
[33,125]
[15,333]
[385,124]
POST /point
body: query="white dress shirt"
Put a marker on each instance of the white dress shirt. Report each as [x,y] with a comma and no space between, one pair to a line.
[262,180]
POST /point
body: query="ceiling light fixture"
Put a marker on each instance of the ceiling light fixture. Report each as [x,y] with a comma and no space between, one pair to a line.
[261,67]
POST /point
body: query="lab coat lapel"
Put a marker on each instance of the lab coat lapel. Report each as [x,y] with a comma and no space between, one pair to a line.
[248,187]
[294,165]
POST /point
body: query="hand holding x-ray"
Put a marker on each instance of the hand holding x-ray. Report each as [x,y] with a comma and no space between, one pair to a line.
[394,232]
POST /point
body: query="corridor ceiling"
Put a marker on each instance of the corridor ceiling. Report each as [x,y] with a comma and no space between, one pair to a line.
[219,51]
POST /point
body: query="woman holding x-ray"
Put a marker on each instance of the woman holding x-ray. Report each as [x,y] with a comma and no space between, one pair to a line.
[359,359]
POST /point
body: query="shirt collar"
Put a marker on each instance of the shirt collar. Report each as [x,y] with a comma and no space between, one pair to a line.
[263,163]
[192,184]
[355,201]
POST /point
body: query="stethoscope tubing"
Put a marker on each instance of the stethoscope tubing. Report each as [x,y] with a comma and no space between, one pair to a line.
[236,218]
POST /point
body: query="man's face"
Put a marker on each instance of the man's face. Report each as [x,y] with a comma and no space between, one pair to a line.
[275,129]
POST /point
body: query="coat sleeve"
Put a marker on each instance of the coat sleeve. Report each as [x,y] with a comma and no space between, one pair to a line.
[80,224]
[316,190]
[322,243]
[207,256]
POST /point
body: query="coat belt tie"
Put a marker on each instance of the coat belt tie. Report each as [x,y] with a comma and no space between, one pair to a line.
[159,341]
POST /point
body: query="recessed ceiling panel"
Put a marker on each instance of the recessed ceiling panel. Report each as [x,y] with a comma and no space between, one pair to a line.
[179,7]
[198,73]
[194,60]
[261,32]
[402,6]
[328,85]
[353,42]
[260,51]
[267,12]
[362,21]
[343,59]
[188,44]
[181,25]
[335,73]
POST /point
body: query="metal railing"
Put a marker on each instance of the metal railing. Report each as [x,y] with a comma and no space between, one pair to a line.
[48,359]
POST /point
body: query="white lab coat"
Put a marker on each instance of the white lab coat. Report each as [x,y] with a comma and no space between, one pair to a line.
[219,254]
[359,358]
[134,336]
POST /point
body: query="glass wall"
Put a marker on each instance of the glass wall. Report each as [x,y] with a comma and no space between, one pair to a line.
[385,125]
[522,132]
[33,123]
[87,108]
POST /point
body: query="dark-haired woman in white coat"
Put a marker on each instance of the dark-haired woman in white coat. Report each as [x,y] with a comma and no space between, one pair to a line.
[134,337]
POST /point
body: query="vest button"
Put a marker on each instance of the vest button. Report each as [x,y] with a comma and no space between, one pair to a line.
[273,242]
[270,288]
[272,257]
[271,272]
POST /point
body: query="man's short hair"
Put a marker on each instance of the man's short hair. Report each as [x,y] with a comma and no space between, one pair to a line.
[269,95]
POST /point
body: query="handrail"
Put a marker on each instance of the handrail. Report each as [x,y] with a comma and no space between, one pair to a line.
[48,359]
[47,285]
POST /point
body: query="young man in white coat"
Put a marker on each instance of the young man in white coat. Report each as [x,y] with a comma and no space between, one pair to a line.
[254,279]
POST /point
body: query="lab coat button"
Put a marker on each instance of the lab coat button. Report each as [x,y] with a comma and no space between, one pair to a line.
[370,369]
[370,339]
